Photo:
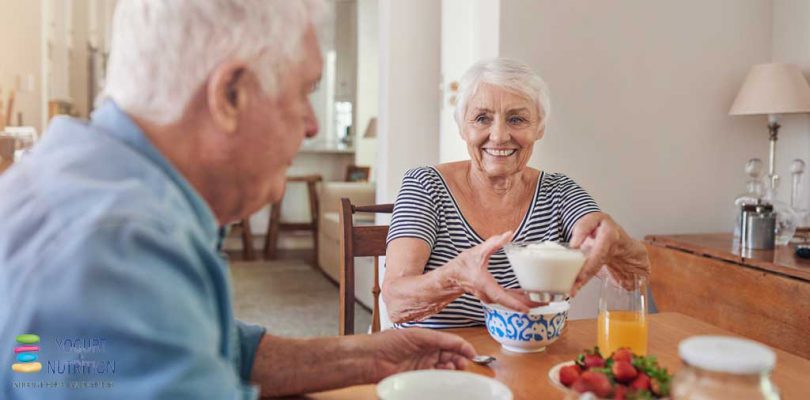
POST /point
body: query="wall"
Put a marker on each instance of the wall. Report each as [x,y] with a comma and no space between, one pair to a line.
[409,76]
[469,33]
[367,80]
[20,37]
[640,98]
[791,44]
[409,95]
[78,65]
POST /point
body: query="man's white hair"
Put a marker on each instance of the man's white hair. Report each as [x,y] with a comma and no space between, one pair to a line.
[509,74]
[163,51]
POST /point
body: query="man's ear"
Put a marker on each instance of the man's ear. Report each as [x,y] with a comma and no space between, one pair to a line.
[228,94]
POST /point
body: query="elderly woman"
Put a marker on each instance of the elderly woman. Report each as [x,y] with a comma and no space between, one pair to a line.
[451,220]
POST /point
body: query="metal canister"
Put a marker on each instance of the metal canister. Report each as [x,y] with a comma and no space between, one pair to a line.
[758,226]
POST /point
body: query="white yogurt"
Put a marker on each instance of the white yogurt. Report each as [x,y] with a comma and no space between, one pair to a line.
[546,267]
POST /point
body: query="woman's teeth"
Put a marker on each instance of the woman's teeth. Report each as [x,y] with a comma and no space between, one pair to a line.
[500,153]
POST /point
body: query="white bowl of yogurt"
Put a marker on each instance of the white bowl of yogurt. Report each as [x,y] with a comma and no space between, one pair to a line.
[545,270]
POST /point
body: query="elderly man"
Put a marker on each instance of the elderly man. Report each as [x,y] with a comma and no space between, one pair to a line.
[110,282]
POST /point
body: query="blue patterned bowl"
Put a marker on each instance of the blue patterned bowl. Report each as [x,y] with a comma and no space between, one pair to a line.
[526,333]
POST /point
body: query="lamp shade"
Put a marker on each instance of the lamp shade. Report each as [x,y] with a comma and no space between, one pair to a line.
[371,129]
[773,89]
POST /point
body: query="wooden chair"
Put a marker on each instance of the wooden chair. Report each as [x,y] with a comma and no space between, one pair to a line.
[359,241]
[275,225]
[248,253]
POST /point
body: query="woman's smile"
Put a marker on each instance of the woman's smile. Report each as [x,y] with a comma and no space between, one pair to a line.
[500,153]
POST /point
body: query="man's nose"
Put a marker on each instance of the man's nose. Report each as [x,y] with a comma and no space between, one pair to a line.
[310,122]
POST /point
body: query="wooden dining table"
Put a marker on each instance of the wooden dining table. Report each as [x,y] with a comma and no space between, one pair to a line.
[527,374]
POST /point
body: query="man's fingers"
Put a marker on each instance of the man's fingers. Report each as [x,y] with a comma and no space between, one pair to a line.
[451,360]
[459,362]
[448,342]
[447,365]
[445,356]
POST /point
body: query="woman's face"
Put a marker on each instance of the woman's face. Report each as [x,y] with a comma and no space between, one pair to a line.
[500,128]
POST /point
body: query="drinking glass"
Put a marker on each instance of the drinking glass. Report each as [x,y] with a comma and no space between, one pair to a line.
[622,320]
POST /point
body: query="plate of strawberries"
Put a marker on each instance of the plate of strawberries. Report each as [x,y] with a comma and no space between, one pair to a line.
[623,375]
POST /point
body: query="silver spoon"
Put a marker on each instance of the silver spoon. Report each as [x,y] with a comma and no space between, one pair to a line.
[482,359]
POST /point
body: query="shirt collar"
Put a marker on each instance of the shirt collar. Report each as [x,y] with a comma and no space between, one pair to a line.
[113,121]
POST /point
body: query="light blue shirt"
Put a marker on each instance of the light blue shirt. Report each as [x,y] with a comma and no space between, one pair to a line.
[109,255]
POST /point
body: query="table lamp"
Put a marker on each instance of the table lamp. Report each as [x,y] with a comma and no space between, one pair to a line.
[772,89]
[371,129]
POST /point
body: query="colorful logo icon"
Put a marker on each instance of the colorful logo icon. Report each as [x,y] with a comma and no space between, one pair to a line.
[27,354]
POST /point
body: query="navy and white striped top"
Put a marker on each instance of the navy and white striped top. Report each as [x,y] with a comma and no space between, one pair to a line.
[425,209]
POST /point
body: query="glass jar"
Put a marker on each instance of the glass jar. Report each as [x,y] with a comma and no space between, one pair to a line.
[720,367]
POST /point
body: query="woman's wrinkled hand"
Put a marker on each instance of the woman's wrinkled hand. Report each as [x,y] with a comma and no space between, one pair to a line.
[608,245]
[472,275]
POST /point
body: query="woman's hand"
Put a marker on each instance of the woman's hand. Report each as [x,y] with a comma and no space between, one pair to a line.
[409,349]
[608,245]
[471,273]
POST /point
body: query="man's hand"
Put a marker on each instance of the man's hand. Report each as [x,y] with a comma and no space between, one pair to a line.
[608,244]
[287,366]
[414,348]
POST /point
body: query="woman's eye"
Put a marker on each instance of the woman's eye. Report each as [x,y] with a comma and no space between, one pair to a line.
[482,119]
[516,120]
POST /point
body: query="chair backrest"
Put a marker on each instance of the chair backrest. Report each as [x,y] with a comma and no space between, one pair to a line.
[359,241]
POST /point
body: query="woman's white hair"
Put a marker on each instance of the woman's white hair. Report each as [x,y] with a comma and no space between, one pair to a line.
[509,74]
[164,50]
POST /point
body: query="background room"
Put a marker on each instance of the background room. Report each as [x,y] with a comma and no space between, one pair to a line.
[641,93]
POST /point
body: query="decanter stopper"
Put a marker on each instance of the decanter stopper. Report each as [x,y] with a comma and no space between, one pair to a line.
[796,170]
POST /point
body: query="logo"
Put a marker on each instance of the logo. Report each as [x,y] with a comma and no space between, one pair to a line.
[26,351]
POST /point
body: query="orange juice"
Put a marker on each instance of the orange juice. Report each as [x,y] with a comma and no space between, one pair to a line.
[617,329]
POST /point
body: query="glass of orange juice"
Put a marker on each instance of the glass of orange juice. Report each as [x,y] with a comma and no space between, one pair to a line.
[622,320]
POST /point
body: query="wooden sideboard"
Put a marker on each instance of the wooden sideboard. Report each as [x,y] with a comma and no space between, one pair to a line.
[764,295]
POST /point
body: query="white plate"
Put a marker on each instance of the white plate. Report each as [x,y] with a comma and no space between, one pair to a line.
[441,385]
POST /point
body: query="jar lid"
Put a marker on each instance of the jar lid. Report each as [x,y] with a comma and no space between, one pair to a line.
[727,354]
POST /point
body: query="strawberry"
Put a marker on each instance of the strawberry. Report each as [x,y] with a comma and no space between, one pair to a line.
[623,371]
[579,386]
[590,359]
[642,382]
[569,374]
[594,361]
[623,354]
[597,383]
[619,392]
